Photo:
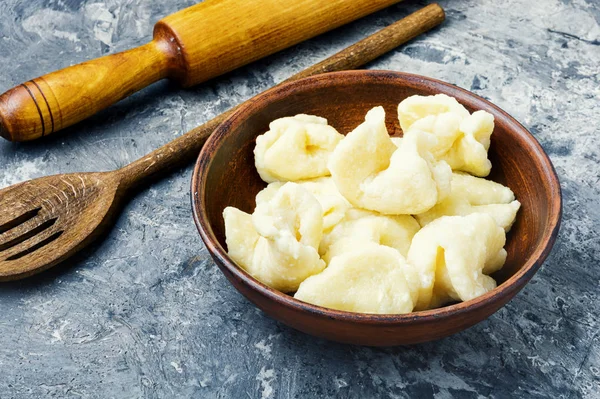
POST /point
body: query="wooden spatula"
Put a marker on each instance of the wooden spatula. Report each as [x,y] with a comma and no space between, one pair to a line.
[46,220]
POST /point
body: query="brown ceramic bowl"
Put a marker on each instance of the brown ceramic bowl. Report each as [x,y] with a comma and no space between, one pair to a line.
[225,176]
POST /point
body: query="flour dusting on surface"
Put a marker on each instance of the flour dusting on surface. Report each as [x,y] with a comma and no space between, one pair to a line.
[266,378]
[103,20]
[177,367]
[264,348]
[23,171]
[47,21]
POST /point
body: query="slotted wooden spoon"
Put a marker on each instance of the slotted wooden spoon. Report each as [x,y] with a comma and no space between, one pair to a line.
[46,220]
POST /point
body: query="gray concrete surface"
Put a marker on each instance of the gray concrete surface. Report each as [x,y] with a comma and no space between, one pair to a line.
[145,313]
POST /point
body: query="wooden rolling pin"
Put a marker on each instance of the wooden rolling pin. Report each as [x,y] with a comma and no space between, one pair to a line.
[190,46]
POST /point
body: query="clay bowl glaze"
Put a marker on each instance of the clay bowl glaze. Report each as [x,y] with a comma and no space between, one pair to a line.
[225,176]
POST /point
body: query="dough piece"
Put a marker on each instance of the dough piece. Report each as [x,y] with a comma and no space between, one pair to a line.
[368,279]
[295,148]
[414,108]
[479,191]
[333,203]
[471,194]
[470,152]
[445,127]
[397,141]
[278,243]
[293,212]
[372,173]
[463,139]
[395,231]
[267,193]
[360,228]
[452,255]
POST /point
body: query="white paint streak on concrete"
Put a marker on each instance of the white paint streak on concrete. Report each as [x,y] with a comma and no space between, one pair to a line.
[47,21]
[264,347]
[103,20]
[340,382]
[266,377]
[177,367]
[20,172]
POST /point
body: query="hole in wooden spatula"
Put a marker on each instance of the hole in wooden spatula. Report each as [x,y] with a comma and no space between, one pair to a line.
[19,220]
[27,235]
[35,247]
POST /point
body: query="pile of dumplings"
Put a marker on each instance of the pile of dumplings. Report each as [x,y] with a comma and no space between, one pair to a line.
[373,224]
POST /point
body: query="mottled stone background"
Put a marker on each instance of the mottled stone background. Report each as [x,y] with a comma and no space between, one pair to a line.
[146,313]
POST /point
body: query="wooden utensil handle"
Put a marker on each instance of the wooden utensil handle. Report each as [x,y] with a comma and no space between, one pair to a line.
[49,103]
[186,148]
[217,36]
[190,46]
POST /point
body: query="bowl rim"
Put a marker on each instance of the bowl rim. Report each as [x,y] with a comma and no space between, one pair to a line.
[505,290]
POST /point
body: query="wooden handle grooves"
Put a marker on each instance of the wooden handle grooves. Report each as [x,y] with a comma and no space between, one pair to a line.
[27,98]
[60,99]
[39,105]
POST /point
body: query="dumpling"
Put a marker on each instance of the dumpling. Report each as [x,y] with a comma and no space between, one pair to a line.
[368,279]
[479,191]
[445,127]
[333,203]
[452,256]
[471,194]
[395,231]
[292,212]
[278,243]
[470,152]
[397,141]
[267,193]
[463,139]
[414,108]
[372,173]
[295,148]
[361,228]
[323,188]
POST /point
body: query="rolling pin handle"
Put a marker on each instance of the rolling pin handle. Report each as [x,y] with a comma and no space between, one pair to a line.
[46,104]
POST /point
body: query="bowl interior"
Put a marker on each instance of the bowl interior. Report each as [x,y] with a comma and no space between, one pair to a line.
[344,99]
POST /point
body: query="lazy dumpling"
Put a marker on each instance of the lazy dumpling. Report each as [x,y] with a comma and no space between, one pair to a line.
[479,191]
[368,279]
[397,141]
[295,148]
[414,108]
[360,227]
[278,243]
[267,193]
[471,194]
[453,256]
[372,173]
[292,212]
[334,205]
[445,127]
[463,139]
[470,152]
